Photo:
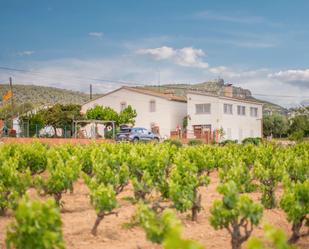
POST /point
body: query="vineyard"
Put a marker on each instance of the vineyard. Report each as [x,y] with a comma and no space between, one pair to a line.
[160,195]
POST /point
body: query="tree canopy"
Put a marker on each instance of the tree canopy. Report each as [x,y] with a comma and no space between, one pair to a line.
[275,125]
[59,116]
[126,116]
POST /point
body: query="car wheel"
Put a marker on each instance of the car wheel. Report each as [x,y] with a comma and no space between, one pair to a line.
[157,140]
[135,140]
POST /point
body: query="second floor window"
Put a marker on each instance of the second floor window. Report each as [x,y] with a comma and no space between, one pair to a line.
[241,110]
[123,105]
[152,106]
[253,111]
[228,109]
[202,108]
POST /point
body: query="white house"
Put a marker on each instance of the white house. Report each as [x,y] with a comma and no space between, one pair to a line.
[239,118]
[157,111]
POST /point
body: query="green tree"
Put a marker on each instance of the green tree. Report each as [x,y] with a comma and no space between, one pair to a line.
[35,122]
[36,225]
[300,124]
[127,116]
[102,113]
[275,125]
[235,213]
[268,125]
[60,116]
[8,111]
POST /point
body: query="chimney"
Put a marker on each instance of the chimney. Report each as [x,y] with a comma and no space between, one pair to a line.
[228,90]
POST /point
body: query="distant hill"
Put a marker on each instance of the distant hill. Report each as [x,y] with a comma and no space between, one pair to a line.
[42,95]
[216,87]
[305,102]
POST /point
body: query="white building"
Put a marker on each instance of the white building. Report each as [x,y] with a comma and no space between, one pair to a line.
[155,110]
[237,117]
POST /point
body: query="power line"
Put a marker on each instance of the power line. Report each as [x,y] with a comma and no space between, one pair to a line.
[38,73]
[120,82]
[280,96]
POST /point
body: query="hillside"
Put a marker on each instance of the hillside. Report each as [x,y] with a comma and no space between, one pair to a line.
[42,95]
[216,87]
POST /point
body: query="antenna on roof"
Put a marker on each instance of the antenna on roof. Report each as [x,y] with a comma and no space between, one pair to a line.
[90,89]
[159,79]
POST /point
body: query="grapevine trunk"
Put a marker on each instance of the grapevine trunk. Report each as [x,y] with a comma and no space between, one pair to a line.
[236,242]
[94,229]
[196,207]
[57,197]
[295,232]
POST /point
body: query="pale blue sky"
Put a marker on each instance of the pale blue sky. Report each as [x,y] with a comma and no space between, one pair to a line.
[261,45]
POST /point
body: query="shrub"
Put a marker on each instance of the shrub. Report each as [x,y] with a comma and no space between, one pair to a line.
[269,170]
[13,184]
[164,229]
[189,174]
[235,213]
[175,142]
[192,142]
[297,135]
[228,141]
[63,170]
[276,237]
[252,140]
[36,225]
[103,199]
[295,203]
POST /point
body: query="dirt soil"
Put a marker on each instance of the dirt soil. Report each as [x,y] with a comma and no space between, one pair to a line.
[78,217]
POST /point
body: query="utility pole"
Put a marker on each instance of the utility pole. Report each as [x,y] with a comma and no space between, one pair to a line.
[12,103]
[159,79]
[11,88]
[90,89]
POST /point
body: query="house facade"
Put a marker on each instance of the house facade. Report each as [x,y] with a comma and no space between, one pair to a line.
[156,111]
[238,118]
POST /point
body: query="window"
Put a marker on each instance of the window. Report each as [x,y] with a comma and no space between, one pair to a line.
[123,105]
[229,133]
[241,110]
[240,134]
[145,131]
[228,109]
[152,105]
[202,108]
[251,133]
[253,111]
[138,130]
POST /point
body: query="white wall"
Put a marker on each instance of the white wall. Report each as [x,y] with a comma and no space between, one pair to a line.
[167,116]
[234,126]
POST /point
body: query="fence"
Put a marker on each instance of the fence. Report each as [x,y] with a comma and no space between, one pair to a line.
[81,129]
[24,129]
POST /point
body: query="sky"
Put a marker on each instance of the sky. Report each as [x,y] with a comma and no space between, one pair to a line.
[259,45]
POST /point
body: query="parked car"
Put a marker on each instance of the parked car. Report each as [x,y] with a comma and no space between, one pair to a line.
[136,134]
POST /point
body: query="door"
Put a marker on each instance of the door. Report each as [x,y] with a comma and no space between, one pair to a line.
[202,131]
[144,135]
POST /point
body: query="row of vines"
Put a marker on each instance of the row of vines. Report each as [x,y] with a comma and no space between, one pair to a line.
[165,178]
